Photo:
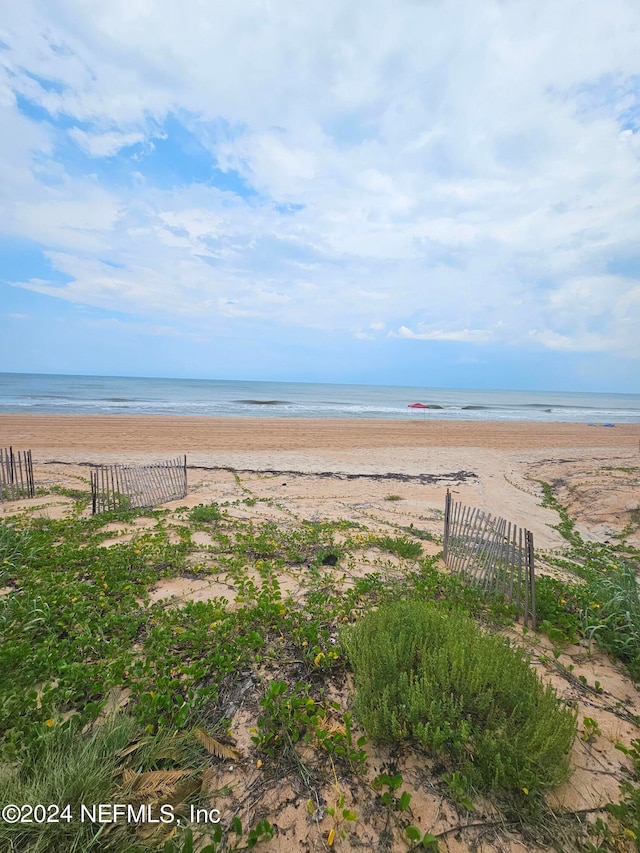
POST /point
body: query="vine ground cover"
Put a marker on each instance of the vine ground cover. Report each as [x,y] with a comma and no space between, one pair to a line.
[79,626]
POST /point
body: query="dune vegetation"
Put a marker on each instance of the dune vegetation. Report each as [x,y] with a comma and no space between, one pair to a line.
[325,660]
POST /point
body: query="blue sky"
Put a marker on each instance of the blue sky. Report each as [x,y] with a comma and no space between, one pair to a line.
[433,193]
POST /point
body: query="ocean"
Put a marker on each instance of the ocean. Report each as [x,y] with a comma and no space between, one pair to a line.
[106,395]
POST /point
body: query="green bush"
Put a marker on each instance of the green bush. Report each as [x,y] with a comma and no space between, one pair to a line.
[205,513]
[400,545]
[428,674]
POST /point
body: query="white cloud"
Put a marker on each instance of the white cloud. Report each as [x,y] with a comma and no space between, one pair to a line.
[458,178]
[77,217]
[466,335]
[555,341]
[104,144]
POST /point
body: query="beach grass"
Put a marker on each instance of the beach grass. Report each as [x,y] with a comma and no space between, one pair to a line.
[63,767]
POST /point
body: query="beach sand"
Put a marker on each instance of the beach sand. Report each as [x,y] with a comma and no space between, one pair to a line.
[492,465]
[387,476]
[156,434]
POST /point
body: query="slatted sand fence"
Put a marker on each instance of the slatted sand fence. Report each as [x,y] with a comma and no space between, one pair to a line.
[492,553]
[117,487]
[16,475]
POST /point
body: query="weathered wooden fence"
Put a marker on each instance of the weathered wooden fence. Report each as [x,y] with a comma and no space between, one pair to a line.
[116,487]
[16,475]
[491,553]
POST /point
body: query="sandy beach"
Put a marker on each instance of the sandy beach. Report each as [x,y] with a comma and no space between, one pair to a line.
[339,466]
[155,434]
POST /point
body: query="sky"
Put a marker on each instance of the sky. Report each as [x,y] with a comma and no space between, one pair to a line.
[427,192]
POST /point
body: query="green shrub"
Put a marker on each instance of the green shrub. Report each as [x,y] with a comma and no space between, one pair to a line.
[400,545]
[205,513]
[428,674]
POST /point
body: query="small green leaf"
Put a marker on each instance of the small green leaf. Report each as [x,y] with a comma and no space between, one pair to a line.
[395,782]
[403,802]
[381,780]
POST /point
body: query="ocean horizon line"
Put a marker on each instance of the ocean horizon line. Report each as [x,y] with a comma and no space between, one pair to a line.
[91,394]
[312,382]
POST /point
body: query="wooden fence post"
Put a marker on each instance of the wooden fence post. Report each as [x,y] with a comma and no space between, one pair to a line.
[32,484]
[94,492]
[531,580]
[447,519]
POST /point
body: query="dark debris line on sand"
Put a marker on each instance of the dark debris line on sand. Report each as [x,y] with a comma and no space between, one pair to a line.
[457,476]
[454,476]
